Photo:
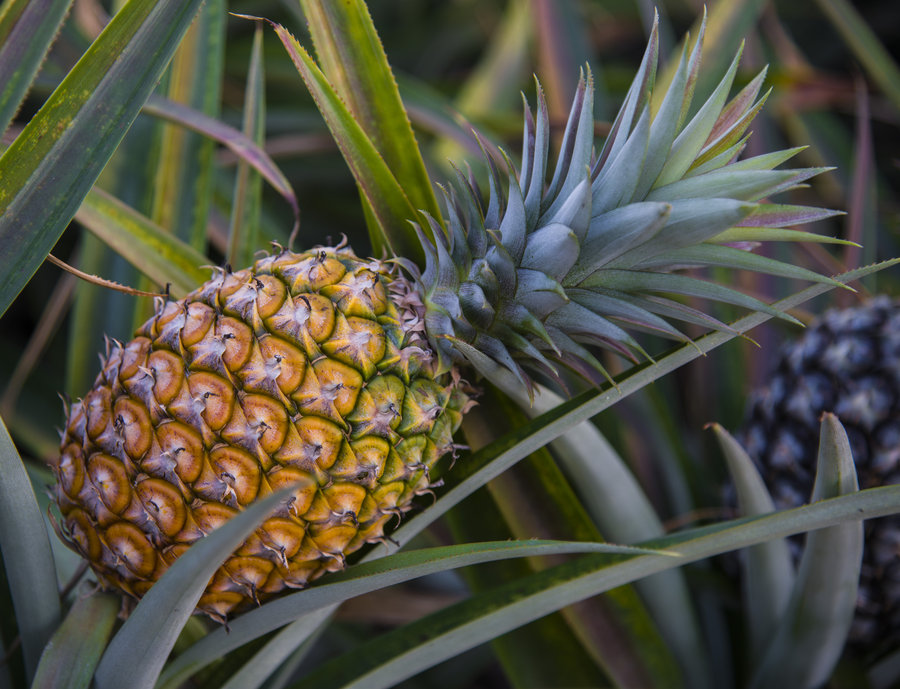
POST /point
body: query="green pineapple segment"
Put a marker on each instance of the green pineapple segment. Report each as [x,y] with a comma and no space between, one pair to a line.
[297,371]
[534,277]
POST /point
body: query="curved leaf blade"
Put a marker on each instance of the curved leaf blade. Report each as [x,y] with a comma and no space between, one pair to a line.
[732,257]
[139,649]
[546,653]
[50,167]
[387,200]
[162,257]
[624,514]
[774,234]
[768,569]
[536,499]
[810,637]
[352,57]
[26,556]
[240,143]
[359,579]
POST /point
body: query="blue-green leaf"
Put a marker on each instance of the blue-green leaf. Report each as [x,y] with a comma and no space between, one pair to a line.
[811,635]
[387,200]
[768,571]
[26,556]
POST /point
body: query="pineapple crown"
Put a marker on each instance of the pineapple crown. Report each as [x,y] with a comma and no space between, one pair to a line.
[527,280]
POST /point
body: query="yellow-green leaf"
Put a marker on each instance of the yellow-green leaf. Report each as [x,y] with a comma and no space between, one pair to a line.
[52,164]
[162,257]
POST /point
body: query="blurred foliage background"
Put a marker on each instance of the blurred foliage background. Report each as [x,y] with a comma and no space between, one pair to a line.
[463,64]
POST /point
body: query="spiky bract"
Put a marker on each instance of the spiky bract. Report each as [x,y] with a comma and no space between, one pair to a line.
[530,278]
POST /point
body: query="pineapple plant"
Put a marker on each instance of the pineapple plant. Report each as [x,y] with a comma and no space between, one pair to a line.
[845,363]
[265,424]
[344,376]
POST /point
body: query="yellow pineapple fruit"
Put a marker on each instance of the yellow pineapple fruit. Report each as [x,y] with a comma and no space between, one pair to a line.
[305,370]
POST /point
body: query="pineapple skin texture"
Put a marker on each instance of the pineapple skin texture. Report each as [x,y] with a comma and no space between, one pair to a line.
[307,370]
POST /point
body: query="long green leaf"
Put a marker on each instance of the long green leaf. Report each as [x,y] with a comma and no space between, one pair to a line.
[352,58]
[182,190]
[243,228]
[397,655]
[49,168]
[731,257]
[139,649]
[162,257]
[26,556]
[27,30]
[72,655]
[387,200]
[633,280]
[363,578]
[774,234]
[810,637]
[544,653]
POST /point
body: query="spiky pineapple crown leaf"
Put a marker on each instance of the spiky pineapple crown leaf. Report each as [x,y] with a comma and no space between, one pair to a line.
[530,278]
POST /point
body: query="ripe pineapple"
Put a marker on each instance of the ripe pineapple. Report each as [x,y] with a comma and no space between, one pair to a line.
[848,363]
[342,376]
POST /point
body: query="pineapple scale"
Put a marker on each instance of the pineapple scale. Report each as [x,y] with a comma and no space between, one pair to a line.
[304,370]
